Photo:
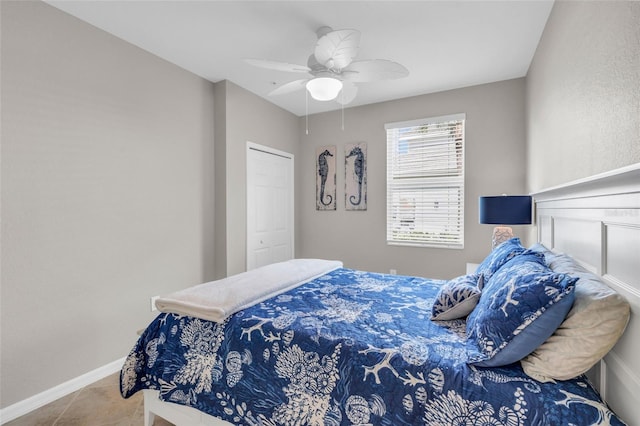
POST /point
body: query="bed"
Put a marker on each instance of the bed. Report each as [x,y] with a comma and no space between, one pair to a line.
[350,347]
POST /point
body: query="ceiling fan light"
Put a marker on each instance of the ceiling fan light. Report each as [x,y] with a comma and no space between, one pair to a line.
[324,88]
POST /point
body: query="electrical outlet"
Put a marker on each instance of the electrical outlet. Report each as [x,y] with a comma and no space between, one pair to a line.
[153,303]
[393,271]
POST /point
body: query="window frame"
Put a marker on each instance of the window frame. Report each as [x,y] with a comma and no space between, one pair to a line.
[444,178]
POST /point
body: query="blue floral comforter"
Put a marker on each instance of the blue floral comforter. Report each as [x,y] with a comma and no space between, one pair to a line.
[348,348]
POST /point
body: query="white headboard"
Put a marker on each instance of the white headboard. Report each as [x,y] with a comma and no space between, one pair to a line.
[597,222]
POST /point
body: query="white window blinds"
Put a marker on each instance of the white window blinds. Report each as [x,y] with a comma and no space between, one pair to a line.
[425,182]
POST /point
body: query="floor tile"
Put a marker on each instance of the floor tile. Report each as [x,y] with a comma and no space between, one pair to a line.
[98,404]
[46,415]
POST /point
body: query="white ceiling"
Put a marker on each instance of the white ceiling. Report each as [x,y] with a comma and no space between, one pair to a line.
[444,44]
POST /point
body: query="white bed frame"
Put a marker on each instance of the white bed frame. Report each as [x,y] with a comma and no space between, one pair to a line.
[179,415]
[597,222]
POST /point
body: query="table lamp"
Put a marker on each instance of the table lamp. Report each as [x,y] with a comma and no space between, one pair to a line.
[504,210]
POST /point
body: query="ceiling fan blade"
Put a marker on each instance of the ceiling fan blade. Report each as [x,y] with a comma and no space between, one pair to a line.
[336,49]
[373,70]
[348,93]
[290,87]
[279,66]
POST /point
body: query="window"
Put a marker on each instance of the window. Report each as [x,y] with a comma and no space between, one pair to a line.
[425,182]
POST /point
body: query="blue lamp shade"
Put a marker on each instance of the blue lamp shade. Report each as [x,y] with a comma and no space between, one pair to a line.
[505,210]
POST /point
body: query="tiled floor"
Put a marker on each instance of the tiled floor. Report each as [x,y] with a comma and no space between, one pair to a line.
[98,404]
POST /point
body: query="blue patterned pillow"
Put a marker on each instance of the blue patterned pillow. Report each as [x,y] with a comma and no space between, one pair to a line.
[521,306]
[457,298]
[499,256]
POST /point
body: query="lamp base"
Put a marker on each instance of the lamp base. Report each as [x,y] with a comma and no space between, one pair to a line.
[500,235]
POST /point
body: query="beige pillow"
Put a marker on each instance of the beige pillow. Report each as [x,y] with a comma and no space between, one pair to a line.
[592,327]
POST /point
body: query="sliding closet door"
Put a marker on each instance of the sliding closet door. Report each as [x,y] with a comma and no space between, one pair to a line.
[269,206]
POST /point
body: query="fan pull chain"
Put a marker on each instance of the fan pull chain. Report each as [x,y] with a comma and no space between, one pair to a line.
[306,110]
[342,108]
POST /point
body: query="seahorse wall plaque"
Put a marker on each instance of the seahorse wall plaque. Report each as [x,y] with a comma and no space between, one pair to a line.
[355,176]
[326,178]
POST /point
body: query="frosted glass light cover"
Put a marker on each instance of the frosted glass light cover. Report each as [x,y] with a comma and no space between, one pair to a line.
[324,88]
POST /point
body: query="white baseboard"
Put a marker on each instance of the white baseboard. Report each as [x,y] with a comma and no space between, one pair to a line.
[32,403]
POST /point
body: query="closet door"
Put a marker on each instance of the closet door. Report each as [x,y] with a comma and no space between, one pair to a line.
[270,208]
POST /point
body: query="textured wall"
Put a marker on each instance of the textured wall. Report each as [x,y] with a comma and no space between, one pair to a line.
[494,161]
[583,93]
[107,194]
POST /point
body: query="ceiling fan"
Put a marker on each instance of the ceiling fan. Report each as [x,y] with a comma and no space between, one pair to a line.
[332,70]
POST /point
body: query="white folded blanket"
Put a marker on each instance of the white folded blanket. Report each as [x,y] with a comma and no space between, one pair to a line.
[216,300]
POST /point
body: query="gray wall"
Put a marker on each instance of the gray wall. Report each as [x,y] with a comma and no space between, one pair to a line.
[583,93]
[494,164]
[246,117]
[107,194]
